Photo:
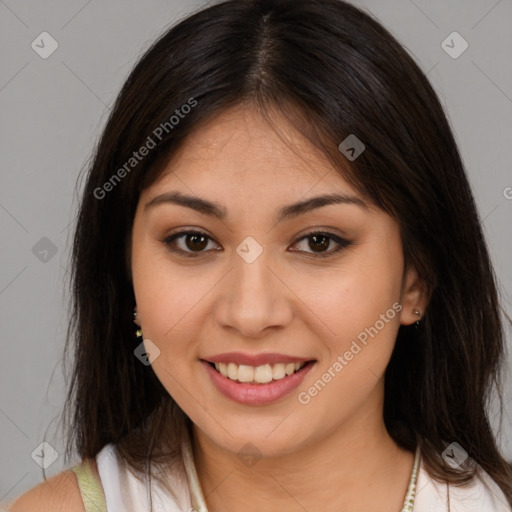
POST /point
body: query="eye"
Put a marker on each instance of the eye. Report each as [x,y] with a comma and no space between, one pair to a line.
[194,241]
[320,240]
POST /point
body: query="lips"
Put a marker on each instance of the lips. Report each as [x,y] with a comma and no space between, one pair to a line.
[249,393]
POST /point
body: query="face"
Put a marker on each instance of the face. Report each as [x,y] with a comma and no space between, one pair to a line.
[256,285]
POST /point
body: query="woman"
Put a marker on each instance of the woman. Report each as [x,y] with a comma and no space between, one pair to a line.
[282,293]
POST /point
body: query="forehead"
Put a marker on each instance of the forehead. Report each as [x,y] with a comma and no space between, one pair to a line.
[240,149]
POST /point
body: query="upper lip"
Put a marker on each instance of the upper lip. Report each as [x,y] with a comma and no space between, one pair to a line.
[254,359]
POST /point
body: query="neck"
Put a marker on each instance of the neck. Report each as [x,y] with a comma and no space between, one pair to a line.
[331,474]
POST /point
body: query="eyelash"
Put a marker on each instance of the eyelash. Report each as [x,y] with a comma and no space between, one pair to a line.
[343,243]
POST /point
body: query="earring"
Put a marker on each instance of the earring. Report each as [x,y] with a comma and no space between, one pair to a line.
[138,332]
[418,315]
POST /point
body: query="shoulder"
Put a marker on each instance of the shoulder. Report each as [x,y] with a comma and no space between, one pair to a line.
[481,493]
[60,493]
[489,493]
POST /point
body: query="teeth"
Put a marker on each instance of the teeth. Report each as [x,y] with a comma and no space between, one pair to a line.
[245,373]
[278,371]
[263,374]
[232,371]
[257,374]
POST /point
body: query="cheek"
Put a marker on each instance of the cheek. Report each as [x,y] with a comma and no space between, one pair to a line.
[365,317]
[166,294]
[355,296]
[360,315]
[168,299]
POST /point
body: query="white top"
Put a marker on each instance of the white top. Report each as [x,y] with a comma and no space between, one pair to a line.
[482,495]
[125,493]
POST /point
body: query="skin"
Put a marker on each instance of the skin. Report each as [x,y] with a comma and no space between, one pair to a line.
[333,453]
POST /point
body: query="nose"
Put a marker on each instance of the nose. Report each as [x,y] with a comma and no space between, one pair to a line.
[253,298]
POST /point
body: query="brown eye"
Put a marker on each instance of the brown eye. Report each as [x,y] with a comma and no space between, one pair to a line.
[319,243]
[196,242]
[192,242]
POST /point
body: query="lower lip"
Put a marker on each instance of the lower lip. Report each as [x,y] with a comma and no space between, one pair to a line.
[257,394]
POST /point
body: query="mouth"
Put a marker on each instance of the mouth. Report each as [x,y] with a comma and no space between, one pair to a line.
[269,379]
[263,374]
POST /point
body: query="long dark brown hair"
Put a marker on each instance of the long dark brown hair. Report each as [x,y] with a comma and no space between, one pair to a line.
[331,70]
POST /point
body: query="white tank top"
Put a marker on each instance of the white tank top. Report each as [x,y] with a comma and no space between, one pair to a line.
[125,493]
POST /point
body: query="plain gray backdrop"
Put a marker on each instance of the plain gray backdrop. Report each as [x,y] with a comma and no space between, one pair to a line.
[52,113]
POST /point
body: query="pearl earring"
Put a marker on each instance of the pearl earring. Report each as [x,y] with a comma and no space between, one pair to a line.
[138,332]
[418,315]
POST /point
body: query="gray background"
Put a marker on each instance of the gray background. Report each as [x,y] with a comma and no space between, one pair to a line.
[53,110]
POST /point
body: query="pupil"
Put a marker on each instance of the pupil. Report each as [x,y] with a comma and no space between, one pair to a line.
[323,245]
[194,238]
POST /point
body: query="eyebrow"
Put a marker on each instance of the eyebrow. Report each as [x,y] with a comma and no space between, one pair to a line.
[286,212]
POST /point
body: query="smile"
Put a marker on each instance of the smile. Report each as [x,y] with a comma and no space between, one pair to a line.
[257,374]
[257,385]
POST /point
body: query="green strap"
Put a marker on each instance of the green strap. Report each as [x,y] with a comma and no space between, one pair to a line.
[90,488]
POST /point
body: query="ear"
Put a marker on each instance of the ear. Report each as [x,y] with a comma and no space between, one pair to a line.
[415,297]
